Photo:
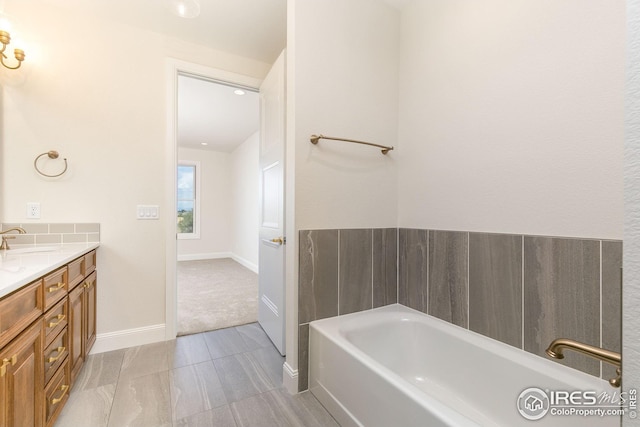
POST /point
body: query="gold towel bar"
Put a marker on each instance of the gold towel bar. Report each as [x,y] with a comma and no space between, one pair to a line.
[385,149]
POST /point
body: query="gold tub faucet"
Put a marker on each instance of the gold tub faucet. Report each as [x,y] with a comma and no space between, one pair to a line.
[4,244]
[558,345]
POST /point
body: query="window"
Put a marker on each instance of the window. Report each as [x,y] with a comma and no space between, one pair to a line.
[188,203]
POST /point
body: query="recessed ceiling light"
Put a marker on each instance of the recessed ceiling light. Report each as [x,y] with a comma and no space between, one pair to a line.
[185,8]
[203,143]
[239,92]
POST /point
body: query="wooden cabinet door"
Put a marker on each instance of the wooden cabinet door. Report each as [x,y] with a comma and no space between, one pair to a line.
[21,380]
[90,299]
[76,331]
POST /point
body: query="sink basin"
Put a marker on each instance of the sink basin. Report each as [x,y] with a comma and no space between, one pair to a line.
[32,249]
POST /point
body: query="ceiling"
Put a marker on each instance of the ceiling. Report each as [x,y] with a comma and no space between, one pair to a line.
[207,112]
[211,113]
[251,28]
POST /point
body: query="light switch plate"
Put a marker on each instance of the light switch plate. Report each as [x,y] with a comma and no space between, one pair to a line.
[147,212]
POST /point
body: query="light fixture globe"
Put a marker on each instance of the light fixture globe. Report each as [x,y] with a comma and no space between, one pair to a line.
[185,8]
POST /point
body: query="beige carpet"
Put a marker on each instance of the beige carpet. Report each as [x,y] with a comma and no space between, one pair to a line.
[215,294]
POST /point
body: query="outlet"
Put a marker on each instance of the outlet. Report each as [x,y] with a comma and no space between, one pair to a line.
[33,210]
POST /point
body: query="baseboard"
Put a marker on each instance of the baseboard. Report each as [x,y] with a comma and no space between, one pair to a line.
[290,378]
[210,255]
[251,266]
[128,338]
[215,255]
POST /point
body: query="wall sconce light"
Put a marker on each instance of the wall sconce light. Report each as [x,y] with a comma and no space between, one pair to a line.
[5,40]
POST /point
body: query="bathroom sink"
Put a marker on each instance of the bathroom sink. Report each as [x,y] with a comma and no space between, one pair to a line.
[32,249]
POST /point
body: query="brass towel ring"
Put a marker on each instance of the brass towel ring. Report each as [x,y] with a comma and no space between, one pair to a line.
[52,155]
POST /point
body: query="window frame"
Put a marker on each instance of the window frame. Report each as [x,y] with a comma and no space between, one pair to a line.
[196,205]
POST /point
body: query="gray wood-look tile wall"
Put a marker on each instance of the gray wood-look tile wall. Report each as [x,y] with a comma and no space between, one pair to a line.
[495,286]
[522,290]
[341,272]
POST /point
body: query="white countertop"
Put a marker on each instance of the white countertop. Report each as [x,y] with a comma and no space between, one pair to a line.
[22,264]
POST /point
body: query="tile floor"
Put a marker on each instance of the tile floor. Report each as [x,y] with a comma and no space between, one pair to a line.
[229,378]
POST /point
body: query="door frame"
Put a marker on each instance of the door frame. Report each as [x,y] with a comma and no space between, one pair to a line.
[174,68]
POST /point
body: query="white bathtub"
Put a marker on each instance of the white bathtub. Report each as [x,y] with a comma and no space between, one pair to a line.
[394,366]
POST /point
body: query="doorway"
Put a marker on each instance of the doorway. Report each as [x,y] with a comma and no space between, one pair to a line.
[217,204]
[208,236]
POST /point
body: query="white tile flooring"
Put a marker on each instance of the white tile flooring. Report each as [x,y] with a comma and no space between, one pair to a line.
[229,378]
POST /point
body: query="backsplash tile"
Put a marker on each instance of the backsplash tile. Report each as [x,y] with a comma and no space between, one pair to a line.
[495,286]
[87,228]
[355,276]
[448,274]
[42,239]
[385,266]
[45,233]
[36,228]
[318,275]
[413,248]
[62,228]
[611,301]
[562,296]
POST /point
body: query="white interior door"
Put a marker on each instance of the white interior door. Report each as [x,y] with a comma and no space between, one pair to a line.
[271,284]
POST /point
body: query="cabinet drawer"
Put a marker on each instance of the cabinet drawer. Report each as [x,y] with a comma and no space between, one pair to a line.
[19,310]
[55,354]
[56,394]
[89,262]
[55,320]
[55,287]
[75,271]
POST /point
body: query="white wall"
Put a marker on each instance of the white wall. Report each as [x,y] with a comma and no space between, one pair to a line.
[511,116]
[342,81]
[631,291]
[95,91]
[229,204]
[346,77]
[244,201]
[216,212]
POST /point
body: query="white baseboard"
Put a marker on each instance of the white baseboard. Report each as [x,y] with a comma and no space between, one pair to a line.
[290,378]
[198,257]
[215,255]
[251,266]
[128,338]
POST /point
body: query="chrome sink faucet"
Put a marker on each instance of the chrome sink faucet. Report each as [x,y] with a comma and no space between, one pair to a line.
[558,345]
[5,245]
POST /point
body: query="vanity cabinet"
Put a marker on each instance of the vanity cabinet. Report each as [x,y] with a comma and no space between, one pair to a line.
[47,329]
[82,320]
[22,379]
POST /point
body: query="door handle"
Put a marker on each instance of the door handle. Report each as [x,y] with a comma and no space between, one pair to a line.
[279,240]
